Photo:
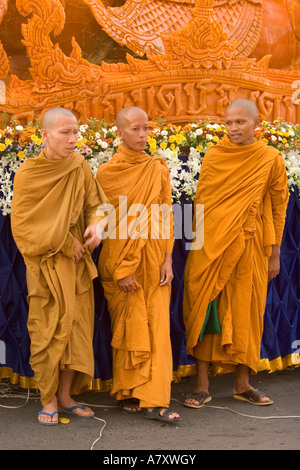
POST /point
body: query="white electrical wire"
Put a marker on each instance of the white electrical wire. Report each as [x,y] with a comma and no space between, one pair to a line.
[251,416]
[5,392]
[226,408]
[6,389]
[101,431]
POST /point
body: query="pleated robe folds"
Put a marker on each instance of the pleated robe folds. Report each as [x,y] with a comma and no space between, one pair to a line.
[244,194]
[53,202]
[142,358]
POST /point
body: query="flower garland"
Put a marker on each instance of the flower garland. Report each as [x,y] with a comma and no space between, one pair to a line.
[181,147]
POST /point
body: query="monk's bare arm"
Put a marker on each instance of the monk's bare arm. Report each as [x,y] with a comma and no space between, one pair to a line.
[78,251]
[92,201]
[128,283]
[274,262]
[166,273]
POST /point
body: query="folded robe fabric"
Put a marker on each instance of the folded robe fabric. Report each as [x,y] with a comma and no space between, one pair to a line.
[135,184]
[53,202]
[243,190]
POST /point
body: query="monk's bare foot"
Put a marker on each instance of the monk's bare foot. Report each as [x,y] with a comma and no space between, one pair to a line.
[49,412]
[170,415]
[252,395]
[130,405]
[196,399]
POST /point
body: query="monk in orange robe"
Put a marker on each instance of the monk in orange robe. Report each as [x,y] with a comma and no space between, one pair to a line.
[135,266]
[243,190]
[54,224]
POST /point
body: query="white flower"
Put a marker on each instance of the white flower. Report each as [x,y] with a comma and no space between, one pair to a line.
[117,142]
[209,137]
[19,128]
[83,128]
[104,145]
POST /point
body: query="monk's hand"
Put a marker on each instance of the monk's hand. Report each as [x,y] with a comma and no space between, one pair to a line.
[166,272]
[128,283]
[274,263]
[79,251]
[92,237]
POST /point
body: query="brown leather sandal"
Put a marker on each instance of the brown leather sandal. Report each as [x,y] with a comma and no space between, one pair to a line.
[200,397]
[253,396]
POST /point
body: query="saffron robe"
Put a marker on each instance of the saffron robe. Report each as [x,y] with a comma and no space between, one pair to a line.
[53,202]
[142,358]
[244,194]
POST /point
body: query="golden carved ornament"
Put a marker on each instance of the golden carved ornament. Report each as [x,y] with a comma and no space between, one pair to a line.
[139,24]
[185,59]
[4,62]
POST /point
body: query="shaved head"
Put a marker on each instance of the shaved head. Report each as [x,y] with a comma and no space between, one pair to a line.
[133,128]
[247,105]
[127,114]
[51,115]
[241,118]
[59,129]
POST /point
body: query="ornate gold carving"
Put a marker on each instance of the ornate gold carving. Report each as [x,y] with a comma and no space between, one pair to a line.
[51,70]
[139,24]
[203,43]
[202,62]
[4,63]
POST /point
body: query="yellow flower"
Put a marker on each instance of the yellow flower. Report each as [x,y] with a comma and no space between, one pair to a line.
[163,145]
[22,154]
[173,147]
[179,138]
[2,147]
[39,141]
[265,140]
[199,148]
[8,142]
[151,141]
[172,138]
[284,141]
[216,138]
[79,143]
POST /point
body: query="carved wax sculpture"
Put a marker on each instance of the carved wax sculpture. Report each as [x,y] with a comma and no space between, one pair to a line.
[180,59]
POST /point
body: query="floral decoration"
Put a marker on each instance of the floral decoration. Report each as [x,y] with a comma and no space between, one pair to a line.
[181,147]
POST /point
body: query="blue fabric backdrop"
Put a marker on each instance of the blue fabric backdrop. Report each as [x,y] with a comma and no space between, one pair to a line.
[281,321]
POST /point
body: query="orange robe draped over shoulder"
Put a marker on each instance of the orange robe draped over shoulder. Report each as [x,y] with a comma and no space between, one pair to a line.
[53,202]
[244,193]
[142,359]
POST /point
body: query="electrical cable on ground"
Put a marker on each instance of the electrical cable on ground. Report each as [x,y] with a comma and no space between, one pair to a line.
[6,392]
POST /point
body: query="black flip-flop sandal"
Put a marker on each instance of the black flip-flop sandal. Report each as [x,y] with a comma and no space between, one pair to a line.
[165,416]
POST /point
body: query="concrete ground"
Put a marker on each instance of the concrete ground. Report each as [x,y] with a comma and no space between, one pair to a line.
[222,424]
